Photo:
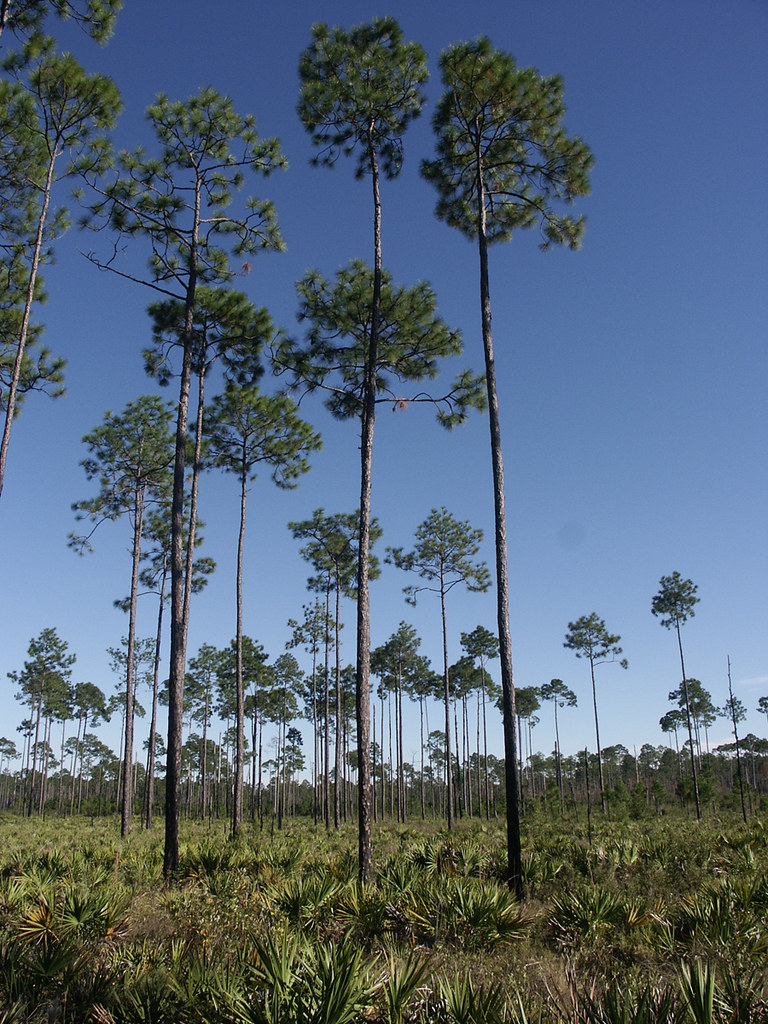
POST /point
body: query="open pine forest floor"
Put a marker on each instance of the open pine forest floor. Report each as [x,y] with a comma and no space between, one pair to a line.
[650,921]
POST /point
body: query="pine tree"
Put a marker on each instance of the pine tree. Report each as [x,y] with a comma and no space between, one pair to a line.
[360,90]
[444,557]
[131,456]
[180,203]
[245,430]
[503,162]
[51,129]
[674,605]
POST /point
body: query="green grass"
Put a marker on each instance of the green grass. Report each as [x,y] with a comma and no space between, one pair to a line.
[655,921]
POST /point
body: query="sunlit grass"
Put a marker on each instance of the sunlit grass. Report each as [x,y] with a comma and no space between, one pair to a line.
[90,931]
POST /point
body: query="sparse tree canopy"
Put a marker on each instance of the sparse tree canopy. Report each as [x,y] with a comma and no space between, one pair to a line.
[674,605]
[360,89]
[51,129]
[25,19]
[503,162]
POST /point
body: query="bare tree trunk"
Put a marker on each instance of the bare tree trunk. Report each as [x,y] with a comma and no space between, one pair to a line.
[688,720]
[363,667]
[237,810]
[127,802]
[337,789]
[514,851]
[447,699]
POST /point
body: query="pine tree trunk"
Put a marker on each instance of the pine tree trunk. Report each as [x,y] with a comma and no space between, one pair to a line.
[237,811]
[514,852]
[13,384]
[179,619]
[447,700]
[127,803]
[150,787]
[690,731]
[363,665]
[337,789]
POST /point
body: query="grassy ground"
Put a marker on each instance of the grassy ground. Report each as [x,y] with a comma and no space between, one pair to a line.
[653,921]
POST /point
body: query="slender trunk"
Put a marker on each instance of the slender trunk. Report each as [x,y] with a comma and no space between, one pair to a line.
[383,779]
[80,773]
[400,755]
[34,753]
[391,762]
[150,787]
[60,801]
[363,666]
[237,810]
[736,738]
[421,745]
[514,851]
[179,619]
[447,700]
[204,798]
[478,775]
[254,741]
[13,385]
[485,751]
[327,737]
[374,765]
[315,767]
[75,761]
[458,781]
[130,675]
[688,721]
[193,490]
[558,765]
[337,791]
[597,739]
[44,767]
[261,751]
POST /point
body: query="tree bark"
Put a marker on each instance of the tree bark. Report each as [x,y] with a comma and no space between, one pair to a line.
[237,809]
[13,386]
[514,852]
[363,666]
[688,720]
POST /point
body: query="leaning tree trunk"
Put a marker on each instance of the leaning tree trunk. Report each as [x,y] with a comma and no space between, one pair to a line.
[13,385]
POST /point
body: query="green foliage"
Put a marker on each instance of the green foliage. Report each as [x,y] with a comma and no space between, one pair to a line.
[411,341]
[204,148]
[130,455]
[502,153]
[655,924]
[52,122]
[589,638]
[360,89]
[674,603]
[25,18]
[443,556]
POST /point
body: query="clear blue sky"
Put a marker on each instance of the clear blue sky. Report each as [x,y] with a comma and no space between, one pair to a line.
[632,374]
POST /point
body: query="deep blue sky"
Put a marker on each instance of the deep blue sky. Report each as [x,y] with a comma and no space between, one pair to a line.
[632,374]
